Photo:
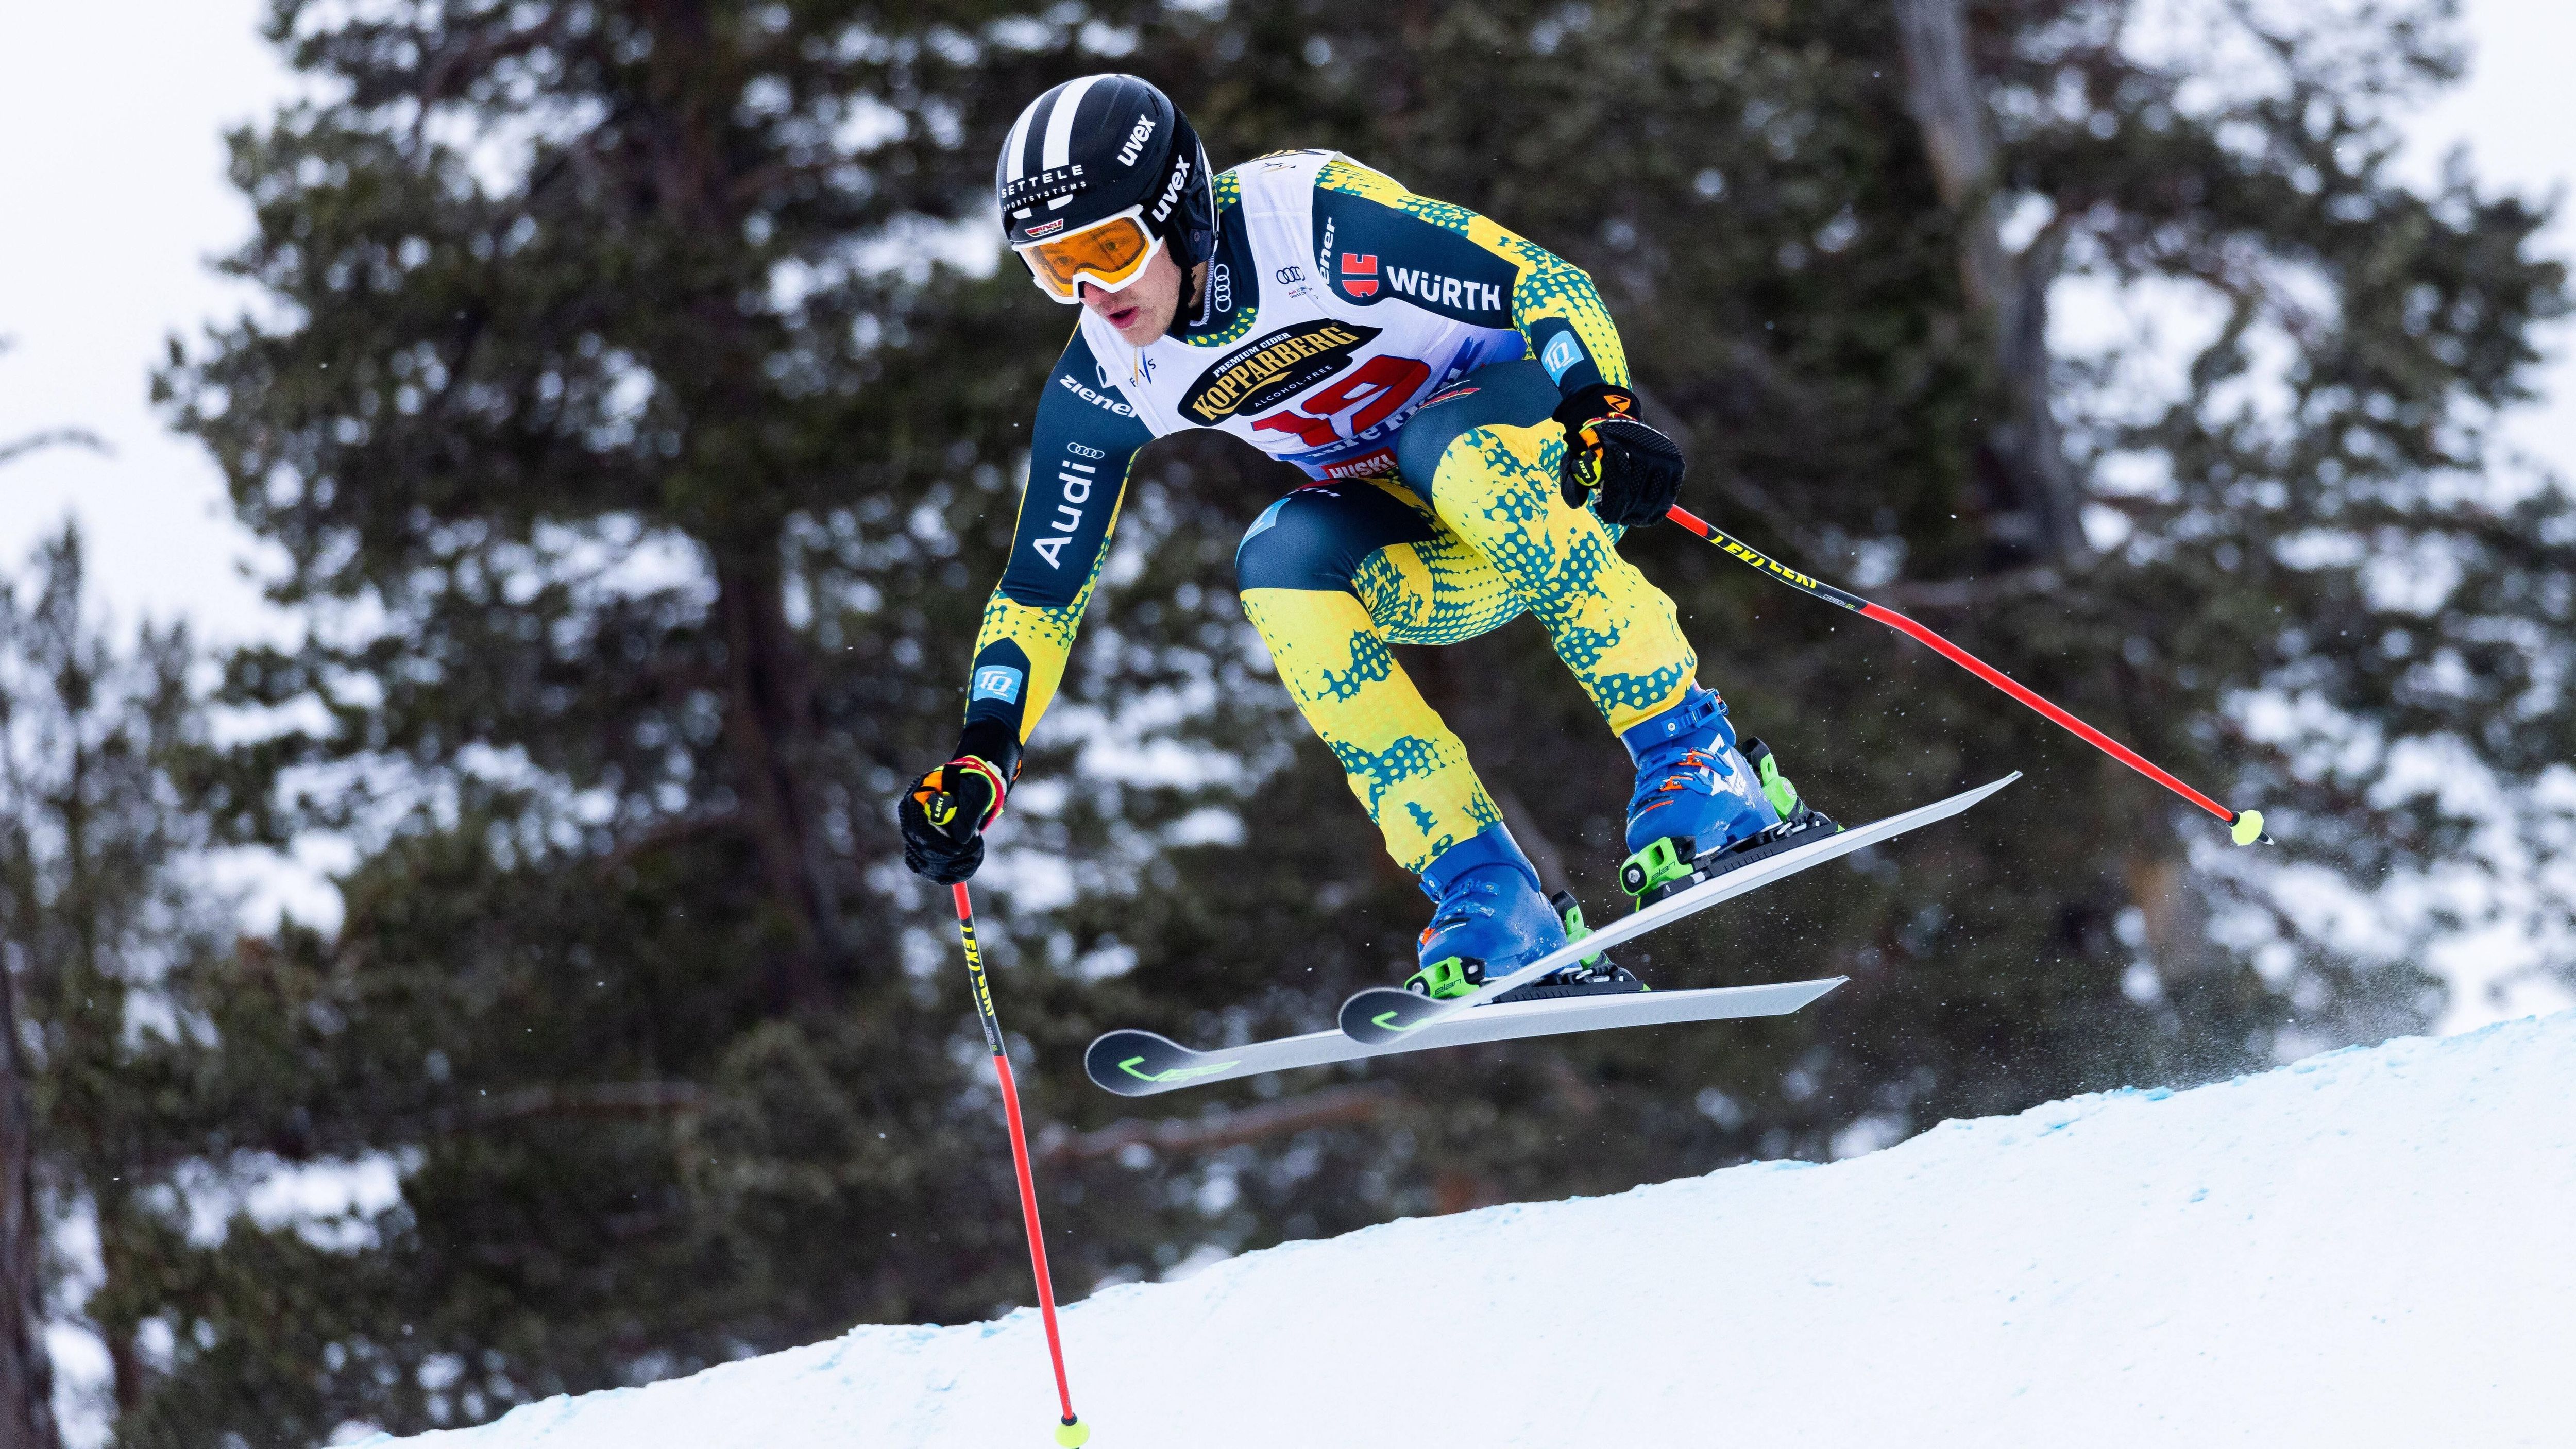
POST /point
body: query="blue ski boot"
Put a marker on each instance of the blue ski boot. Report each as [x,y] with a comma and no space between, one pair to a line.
[1704,806]
[1488,918]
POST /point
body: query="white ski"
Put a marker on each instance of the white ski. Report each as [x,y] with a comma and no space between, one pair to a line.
[1141,1063]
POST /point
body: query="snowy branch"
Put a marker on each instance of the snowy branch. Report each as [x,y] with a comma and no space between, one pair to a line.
[1332,1107]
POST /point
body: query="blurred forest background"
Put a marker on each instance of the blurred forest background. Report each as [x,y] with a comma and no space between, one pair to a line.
[641,406]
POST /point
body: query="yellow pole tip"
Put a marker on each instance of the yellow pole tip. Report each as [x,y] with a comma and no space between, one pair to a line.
[2248,827]
[1073,1435]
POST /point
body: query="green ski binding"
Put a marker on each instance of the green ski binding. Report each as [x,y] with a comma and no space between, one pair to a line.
[1660,863]
[1442,980]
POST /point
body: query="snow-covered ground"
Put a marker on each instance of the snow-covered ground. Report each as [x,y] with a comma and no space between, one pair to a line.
[2371,1247]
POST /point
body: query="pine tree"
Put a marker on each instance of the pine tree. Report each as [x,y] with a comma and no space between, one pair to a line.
[26,1369]
[624,484]
[119,1110]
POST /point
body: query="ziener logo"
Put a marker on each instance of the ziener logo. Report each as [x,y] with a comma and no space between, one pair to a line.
[1096,399]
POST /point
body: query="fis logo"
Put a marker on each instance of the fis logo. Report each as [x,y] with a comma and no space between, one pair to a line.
[1142,367]
[1359,273]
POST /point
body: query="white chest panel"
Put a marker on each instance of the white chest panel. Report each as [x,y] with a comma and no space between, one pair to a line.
[1302,373]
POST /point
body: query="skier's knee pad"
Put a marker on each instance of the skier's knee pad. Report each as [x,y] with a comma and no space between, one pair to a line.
[1318,536]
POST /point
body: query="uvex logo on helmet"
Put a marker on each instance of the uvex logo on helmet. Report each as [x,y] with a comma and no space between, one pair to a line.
[1172,188]
[1136,139]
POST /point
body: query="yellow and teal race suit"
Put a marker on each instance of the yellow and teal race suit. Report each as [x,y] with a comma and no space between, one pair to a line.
[1406,354]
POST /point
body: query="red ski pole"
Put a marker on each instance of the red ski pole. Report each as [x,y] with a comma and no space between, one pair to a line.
[2245,826]
[1070,1431]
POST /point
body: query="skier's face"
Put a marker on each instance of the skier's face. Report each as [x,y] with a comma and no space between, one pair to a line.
[1143,309]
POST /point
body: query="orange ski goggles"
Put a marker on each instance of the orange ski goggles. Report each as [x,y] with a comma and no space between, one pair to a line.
[1110,253]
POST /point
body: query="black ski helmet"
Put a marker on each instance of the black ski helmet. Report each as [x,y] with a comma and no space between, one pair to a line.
[1097,145]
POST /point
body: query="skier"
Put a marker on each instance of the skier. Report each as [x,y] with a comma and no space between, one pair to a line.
[1460,398]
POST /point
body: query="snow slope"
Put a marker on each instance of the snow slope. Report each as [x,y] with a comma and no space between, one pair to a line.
[2375,1246]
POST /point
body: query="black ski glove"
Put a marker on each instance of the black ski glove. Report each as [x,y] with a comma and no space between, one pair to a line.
[1637,469]
[944,815]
